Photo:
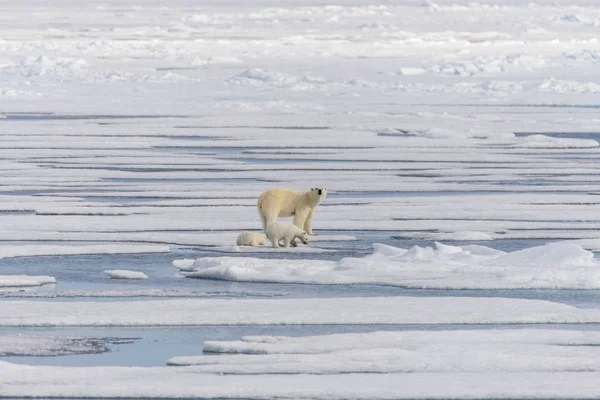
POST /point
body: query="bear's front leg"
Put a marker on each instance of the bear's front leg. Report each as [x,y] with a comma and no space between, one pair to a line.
[293,242]
[308,223]
[286,242]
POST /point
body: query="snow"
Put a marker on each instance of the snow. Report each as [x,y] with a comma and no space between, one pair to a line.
[184,264]
[168,382]
[553,266]
[566,86]
[491,65]
[22,345]
[43,250]
[403,352]
[270,249]
[125,274]
[157,293]
[316,311]
[145,132]
[25,280]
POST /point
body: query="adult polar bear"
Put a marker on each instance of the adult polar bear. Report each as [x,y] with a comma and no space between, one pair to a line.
[285,203]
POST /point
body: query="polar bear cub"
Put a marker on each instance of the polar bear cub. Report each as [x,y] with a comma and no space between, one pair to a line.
[285,203]
[277,231]
[252,239]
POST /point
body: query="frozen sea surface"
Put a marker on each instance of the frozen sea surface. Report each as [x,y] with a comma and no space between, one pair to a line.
[456,140]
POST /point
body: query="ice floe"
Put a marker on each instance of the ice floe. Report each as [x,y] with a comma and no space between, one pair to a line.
[403,352]
[168,382]
[134,293]
[301,311]
[22,345]
[25,280]
[11,251]
[491,65]
[125,274]
[553,266]
[145,128]
[569,86]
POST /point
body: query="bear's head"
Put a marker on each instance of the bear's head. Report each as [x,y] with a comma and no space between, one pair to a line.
[303,237]
[318,194]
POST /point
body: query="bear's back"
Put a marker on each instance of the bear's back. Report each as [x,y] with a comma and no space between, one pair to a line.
[250,239]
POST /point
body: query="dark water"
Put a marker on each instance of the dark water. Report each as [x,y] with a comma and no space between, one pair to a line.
[153,346]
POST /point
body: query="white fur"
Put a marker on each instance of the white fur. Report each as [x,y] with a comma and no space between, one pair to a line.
[285,203]
[252,239]
[277,231]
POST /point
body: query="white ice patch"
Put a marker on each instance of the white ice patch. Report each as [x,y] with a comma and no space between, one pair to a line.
[568,86]
[258,76]
[549,142]
[44,67]
[553,266]
[412,71]
[24,381]
[24,280]
[184,264]
[157,293]
[62,250]
[458,235]
[590,244]
[301,311]
[403,352]
[125,274]
[10,92]
[49,346]
[270,249]
[63,67]
[215,60]
[491,65]
[332,238]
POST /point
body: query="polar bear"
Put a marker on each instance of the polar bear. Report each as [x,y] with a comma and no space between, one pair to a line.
[252,239]
[277,231]
[285,203]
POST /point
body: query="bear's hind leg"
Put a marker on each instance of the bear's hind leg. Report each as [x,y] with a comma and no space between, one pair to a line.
[268,219]
[263,220]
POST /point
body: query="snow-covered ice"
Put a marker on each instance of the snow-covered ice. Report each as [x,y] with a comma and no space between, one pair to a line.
[21,345]
[25,280]
[407,352]
[186,382]
[553,266]
[138,137]
[275,311]
[9,251]
[294,94]
[129,293]
[125,274]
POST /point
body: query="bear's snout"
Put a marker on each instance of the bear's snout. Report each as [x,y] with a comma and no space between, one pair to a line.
[320,191]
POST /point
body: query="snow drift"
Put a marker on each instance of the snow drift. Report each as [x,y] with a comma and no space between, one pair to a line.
[553,266]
